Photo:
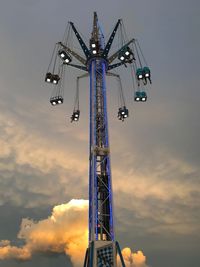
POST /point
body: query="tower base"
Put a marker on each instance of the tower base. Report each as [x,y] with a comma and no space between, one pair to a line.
[103,254]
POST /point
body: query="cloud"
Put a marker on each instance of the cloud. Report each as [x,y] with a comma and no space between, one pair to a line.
[161,188]
[163,195]
[36,171]
[65,231]
[32,148]
[12,252]
[40,171]
[133,259]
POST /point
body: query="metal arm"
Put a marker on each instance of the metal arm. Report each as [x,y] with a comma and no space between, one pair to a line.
[120,254]
[81,42]
[78,66]
[112,74]
[110,60]
[109,43]
[110,67]
[77,56]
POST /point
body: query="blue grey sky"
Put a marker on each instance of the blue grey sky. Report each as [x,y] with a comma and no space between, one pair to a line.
[155,153]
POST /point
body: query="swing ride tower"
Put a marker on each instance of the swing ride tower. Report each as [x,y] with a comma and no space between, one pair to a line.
[101,228]
[102,248]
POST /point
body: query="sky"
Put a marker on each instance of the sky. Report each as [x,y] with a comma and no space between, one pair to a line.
[154,153]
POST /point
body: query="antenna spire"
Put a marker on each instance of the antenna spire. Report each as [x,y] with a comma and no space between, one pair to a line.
[95,30]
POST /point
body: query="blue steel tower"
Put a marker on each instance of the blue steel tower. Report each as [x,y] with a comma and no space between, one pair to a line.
[101,228]
[103,248]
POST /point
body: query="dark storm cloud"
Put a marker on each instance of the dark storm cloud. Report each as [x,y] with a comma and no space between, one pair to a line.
[157,155]
[40,261]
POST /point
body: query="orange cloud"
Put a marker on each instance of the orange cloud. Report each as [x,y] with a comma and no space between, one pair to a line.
[131,259]
[12,252]
[65,231]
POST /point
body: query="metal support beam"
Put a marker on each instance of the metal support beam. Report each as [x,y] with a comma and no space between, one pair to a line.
[112,74]
[110,41]
[86,259]
[120,254]
[101,217]
[110,67]
[73,53]
[77,66]
[113,57]
[81,42]
[91,254]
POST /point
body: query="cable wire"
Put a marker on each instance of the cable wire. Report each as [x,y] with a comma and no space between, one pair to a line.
[58,90]
[121,94]
[142,53]
[51,58]
[138,55]
[132,77]
[55,61]
[76,101]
